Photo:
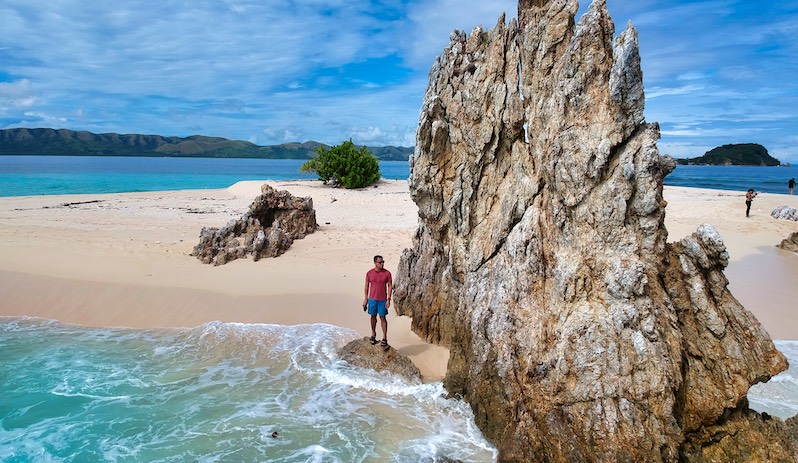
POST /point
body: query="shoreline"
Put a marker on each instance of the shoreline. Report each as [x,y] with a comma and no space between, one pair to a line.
[121,259]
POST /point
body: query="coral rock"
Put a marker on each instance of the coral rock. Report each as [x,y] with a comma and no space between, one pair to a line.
[274,220]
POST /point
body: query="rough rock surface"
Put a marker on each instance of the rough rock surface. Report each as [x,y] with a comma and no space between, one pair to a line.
[576,332]
[785,213]
[274,220]
[744,436]
[790,243]
[362,353]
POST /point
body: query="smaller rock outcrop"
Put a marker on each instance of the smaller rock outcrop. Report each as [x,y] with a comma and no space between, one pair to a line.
[361,353]
[790,243]
[785,213]
[275,219]
[744,435]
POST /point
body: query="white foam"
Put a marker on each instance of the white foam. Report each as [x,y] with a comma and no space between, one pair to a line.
[312,454]
[216,393]
[779,396]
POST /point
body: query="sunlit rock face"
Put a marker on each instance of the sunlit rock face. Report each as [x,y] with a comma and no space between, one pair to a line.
[577,333]
[275,219]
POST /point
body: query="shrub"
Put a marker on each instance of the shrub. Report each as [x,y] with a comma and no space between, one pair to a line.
[344,166]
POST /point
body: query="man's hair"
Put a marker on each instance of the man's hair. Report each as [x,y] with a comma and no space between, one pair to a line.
[377,257]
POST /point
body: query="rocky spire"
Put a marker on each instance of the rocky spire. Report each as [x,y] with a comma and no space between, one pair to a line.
[577,333]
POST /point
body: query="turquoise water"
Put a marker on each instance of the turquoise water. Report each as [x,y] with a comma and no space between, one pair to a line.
[215,393]
[44,175]
[55,175]
[218,392]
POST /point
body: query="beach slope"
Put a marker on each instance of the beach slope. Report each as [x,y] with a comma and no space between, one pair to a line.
[123,259]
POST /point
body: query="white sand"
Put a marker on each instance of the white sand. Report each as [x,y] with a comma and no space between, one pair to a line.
[122,259]
[761,276]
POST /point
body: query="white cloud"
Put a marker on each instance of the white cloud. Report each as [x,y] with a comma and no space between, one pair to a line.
[682,132]
[17,95]
[45,120]
[280,71]
[285,134]
[368,134]
[692,75]
[670,91]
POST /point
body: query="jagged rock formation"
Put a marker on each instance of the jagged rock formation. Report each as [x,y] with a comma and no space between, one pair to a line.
[790,243]
[361,353]
[274,220]
[784,213]
[576,332]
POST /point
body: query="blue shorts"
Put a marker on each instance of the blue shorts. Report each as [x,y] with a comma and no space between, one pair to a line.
[378,308]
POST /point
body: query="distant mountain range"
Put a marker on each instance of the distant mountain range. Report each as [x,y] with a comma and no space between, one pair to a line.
[63,142]
[81,143]
[741,154]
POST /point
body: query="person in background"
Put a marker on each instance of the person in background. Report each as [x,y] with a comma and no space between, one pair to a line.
[791,184]
[749,198]
[377,298]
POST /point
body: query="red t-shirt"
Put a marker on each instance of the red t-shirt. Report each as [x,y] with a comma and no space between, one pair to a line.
[378,282]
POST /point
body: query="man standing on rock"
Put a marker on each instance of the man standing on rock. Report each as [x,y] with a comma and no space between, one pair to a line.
[377,298]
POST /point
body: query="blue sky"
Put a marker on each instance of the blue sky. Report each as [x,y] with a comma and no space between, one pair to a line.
[275,71]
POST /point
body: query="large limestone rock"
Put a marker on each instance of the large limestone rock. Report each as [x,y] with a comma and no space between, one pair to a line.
[274,220]
[577,333]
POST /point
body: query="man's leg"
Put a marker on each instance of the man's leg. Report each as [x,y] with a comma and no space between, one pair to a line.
[384,324]
[374,326]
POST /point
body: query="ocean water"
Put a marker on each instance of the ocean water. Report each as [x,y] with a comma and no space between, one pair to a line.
[46,175]
[735,178]
[779,396]
[215,393]
[56,175]
[219,393]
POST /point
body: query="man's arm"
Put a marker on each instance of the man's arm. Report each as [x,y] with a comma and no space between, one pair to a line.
[389,287]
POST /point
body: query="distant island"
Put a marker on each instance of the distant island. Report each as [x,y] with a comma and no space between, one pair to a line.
[741,154]
[63,142]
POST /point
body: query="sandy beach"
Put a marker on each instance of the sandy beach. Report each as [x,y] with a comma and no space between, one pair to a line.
[123,259]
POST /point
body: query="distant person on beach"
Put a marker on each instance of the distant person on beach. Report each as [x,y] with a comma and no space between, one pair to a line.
[377,298]
[749,198]
[791,184]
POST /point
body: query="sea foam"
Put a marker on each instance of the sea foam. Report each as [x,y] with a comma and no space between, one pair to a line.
[218,392]
[779,396]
